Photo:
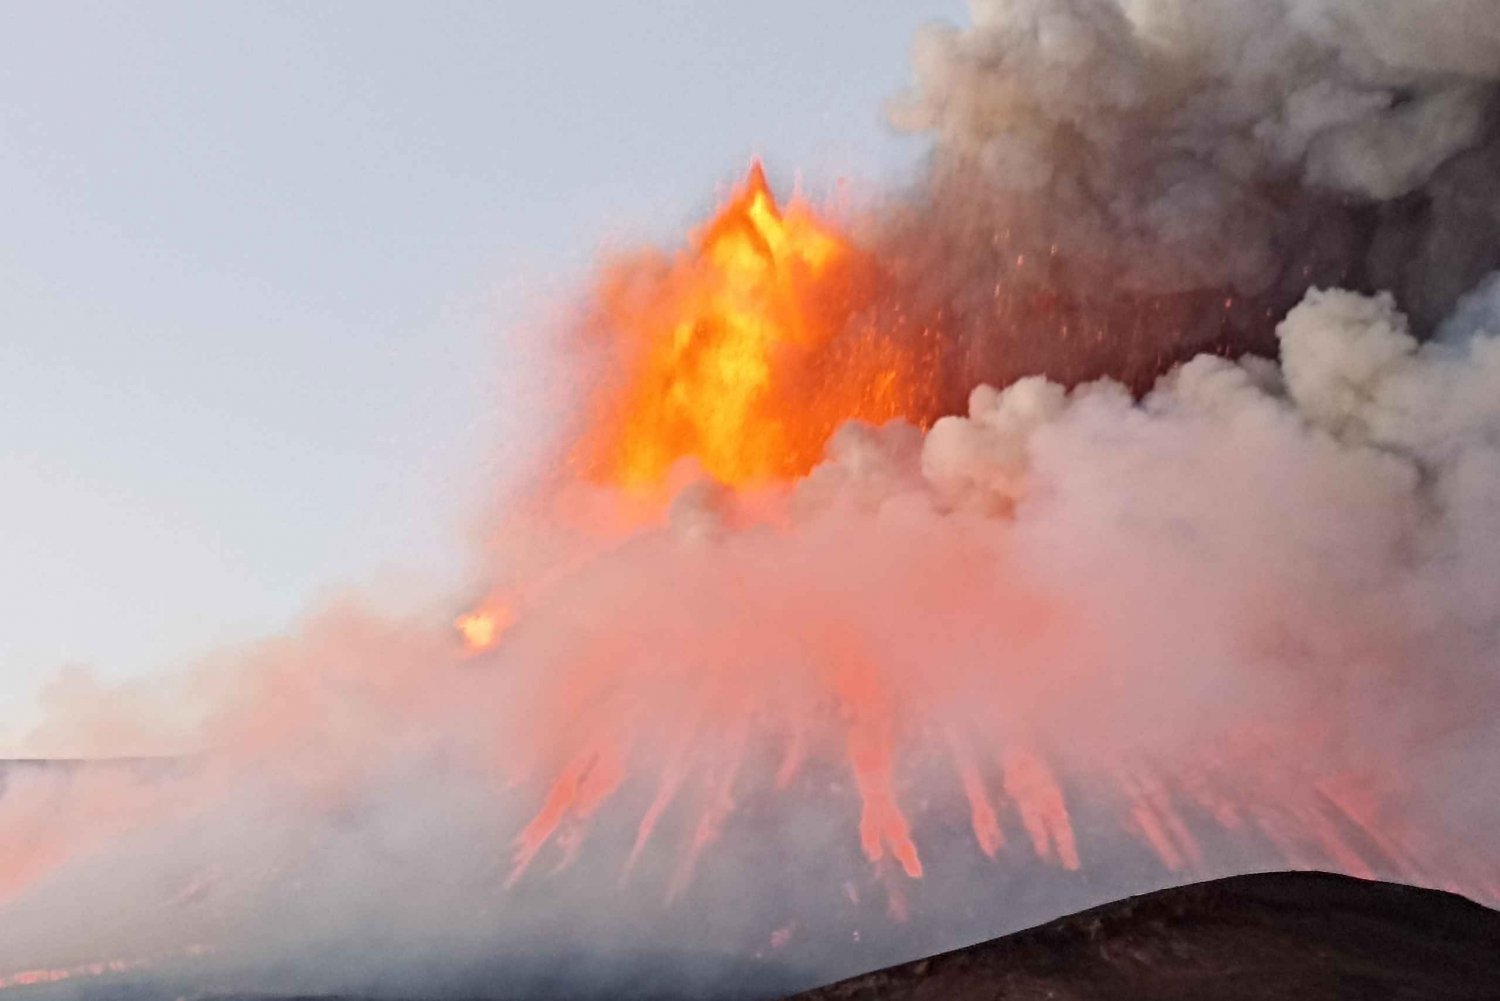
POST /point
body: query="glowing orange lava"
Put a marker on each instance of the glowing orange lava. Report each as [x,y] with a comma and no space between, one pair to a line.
[743,352]
[482,628]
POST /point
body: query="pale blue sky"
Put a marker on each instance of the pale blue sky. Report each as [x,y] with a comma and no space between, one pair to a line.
[269,275]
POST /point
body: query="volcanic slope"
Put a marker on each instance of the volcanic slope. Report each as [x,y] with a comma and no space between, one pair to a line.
[1306,936]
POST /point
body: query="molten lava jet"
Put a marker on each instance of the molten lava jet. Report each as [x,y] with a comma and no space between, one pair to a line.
[744,353]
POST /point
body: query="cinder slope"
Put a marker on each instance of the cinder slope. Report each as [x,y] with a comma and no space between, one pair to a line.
[1270,937]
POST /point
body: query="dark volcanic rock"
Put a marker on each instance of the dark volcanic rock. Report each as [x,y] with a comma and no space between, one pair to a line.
[1281,936]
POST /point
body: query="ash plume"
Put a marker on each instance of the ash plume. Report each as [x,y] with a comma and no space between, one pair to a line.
[1122,509]
[1118,185]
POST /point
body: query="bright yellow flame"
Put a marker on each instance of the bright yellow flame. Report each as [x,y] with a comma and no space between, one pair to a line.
[741,354]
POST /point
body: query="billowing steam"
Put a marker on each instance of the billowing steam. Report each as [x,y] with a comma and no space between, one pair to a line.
[764,692]
[1107,170]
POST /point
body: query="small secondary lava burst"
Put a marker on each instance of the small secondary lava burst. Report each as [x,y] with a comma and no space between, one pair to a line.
[737,362]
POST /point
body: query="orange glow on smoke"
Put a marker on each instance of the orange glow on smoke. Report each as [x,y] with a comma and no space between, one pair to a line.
[742,352]
[745,353]
[32,978]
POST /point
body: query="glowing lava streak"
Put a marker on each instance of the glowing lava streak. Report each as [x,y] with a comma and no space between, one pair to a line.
[744,353]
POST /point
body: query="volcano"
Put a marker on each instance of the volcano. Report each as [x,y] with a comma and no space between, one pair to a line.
[1117,508]
[787,669]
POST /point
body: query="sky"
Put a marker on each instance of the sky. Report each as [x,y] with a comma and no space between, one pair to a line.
[275,278]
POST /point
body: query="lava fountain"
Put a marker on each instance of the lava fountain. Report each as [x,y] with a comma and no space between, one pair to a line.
[744,353]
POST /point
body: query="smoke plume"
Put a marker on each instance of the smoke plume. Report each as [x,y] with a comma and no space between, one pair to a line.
[1118,185]
[1180,561]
